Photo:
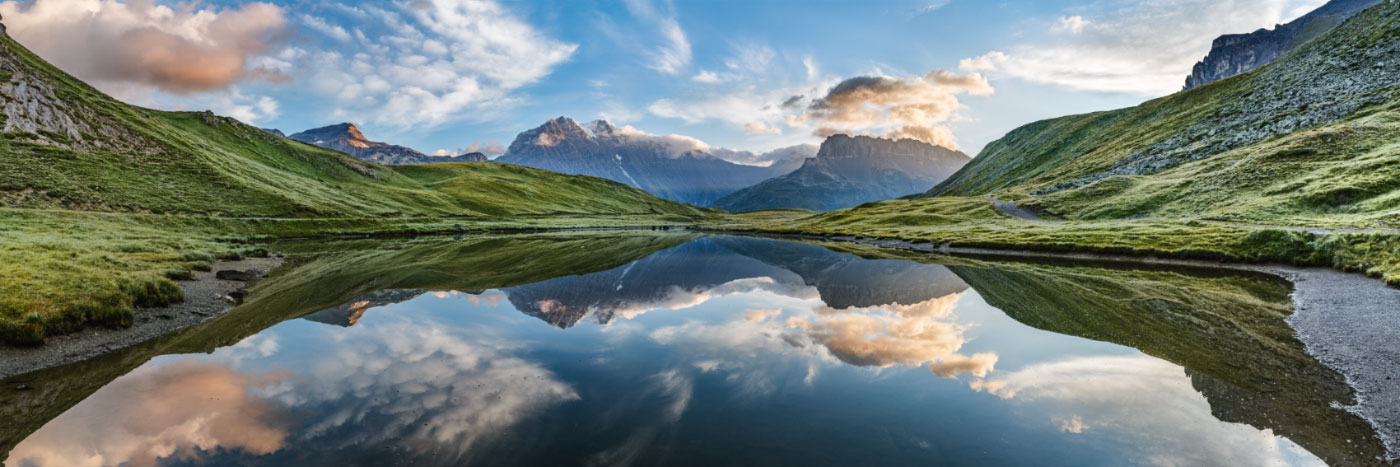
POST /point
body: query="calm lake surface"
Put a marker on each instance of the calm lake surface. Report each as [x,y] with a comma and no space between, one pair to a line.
[682,349]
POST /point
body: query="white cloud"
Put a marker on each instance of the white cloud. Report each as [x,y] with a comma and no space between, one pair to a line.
[1072,24]
[760,128]
[180,50]
[321,26]
[246,108]
[432,62]
[1144,48]
[674,55]
[706,76]
[988,62]
[929,7]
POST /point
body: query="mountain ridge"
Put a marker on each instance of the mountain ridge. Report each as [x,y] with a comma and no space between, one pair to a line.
[1233,54]
[849,171]
[347,138]
[676,168]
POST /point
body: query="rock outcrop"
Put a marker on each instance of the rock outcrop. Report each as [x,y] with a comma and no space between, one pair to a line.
[849,171]
[1233,54]
[668,167]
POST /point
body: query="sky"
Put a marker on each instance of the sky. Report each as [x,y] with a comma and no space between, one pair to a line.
[449,76]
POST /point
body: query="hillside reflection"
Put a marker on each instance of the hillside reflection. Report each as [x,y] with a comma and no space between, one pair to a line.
[659,349]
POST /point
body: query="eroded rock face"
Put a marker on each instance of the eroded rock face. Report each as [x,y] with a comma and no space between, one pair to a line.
[1233,54]
[34,113]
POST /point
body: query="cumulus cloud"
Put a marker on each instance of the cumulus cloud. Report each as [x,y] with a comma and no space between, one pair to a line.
[1071,24]
[181,50]
[246,108]
[428,62]
[912,107]
[330,30]
[159,412]
[1142,48]
[706,76]
[760,128]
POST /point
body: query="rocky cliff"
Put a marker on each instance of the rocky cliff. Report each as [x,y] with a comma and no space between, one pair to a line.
[347,138]
[849,171]
[669,167]
[1233,54]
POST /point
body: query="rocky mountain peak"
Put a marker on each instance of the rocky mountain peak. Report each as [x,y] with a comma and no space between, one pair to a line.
[1233,54]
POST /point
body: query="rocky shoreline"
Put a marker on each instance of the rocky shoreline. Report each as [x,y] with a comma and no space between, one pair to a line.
[206,296]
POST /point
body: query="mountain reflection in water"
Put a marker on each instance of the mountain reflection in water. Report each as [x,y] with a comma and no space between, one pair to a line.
[714,350]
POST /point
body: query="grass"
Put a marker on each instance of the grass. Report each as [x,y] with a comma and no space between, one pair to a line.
[975,223]
[100,213]
[67,270]
[1296,142]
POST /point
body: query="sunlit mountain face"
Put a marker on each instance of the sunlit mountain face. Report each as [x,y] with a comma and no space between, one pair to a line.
[704,349]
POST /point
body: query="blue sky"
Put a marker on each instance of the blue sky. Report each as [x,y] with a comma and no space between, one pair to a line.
[459,74]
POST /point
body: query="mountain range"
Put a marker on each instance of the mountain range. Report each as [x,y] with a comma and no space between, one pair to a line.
[849,171]
[675,168]
[1233,54]
[347,138]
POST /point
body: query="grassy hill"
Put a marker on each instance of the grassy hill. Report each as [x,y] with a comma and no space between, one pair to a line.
[103,203]
[67,145]
[1296,162]
[1312,135]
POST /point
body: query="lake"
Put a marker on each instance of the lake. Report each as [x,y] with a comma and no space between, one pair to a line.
[652,348]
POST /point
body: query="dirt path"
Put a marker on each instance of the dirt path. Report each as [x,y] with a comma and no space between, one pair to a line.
[1017,211]
[202,301]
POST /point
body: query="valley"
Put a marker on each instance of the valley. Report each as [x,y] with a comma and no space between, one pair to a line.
[1230,251]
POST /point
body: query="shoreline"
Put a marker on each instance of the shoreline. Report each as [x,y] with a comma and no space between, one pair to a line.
[1351,333]
[201,303]
[1354,334]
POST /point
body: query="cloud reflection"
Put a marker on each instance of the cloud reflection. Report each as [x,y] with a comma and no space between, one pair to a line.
[398,382]
[157,412]
[1146,399]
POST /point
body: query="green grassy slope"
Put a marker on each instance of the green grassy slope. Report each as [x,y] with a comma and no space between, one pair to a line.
[103,204]
[1312,134]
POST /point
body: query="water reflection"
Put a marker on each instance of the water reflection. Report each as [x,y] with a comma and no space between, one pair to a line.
[706,350]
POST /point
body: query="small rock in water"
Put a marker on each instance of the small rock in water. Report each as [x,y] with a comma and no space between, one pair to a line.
[23,387]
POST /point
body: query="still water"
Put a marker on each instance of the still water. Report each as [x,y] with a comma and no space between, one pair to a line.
[675,349]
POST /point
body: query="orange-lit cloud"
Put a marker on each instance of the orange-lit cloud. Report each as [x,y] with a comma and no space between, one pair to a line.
[177,49]
[160,412]
[913,107]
